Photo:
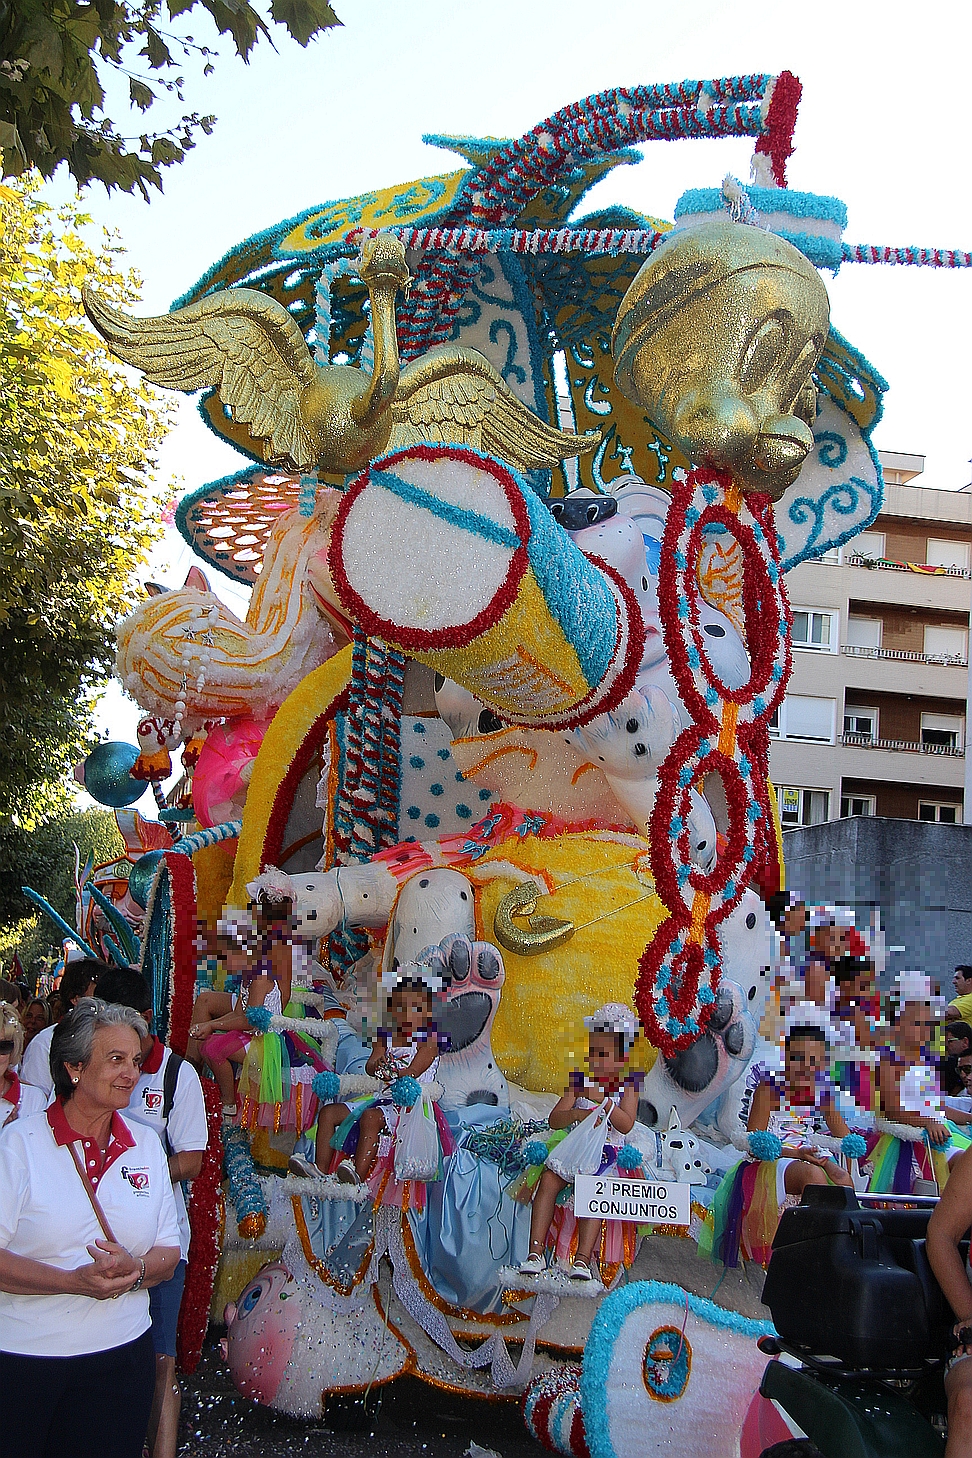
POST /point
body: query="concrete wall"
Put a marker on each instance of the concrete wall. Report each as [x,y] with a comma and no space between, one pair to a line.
[920,875]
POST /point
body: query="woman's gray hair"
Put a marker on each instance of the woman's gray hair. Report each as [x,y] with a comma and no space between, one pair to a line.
[73,1038]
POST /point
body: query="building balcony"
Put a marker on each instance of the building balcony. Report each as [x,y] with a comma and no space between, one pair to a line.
[885,564]
[900,746]
[946,660]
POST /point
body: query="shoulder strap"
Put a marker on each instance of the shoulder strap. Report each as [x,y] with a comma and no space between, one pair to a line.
[169,1080]
[89,1191]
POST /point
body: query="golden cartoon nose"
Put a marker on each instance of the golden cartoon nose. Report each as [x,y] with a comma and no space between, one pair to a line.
[783,444]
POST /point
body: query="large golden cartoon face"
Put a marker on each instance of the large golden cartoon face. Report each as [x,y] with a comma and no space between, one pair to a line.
[716,339]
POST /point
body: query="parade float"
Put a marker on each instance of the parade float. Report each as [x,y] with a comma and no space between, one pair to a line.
[521,491]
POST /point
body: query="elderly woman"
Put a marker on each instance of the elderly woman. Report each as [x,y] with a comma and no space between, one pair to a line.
[87,1224]
[16,1098]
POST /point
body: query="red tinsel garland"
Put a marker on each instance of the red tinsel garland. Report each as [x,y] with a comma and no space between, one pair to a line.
[679,970]
[182,891]
[204,1250]
[776,143]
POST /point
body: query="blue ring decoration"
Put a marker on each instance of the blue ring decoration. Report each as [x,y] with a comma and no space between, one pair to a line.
[259,1018]
[606,1328]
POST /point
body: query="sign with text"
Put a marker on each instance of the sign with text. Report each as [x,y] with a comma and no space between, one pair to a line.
[606,1197]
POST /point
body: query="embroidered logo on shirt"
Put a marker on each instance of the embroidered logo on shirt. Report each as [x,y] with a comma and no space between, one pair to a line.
[137,1178]
[153,1099]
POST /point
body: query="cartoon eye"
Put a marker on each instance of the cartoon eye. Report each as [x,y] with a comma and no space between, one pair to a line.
[489,722]
[250,1299]
[644,583]
[766,353]
[714,630]
[751,920]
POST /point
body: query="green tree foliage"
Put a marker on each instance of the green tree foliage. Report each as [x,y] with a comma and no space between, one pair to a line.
[66,65]
[43,857]
[78,437]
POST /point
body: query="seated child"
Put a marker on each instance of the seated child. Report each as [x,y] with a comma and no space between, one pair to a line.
[856,1012]
[410,1048]
[786,1118]
[909,1095]
[612,1032]
[223,1034]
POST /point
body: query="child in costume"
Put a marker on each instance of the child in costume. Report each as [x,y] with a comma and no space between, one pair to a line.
[787,1119]
[233,946]
[857,1013]
[612,1032]
[409,1049]
[909,1097]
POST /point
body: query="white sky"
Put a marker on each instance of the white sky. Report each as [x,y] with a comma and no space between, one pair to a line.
[883,124]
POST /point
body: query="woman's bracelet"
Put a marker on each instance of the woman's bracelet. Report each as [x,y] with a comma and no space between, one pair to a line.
[141,1276]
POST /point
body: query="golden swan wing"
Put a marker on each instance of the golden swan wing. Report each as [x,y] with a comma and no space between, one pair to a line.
[240,341]
[455,395]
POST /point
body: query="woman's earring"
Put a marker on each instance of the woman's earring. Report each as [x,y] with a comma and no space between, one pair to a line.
[74,1080]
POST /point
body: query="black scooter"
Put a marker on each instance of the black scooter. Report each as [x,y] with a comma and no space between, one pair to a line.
[864,1330]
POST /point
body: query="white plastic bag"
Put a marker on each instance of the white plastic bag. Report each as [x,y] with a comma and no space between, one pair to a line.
[417,1142]
[581,1152]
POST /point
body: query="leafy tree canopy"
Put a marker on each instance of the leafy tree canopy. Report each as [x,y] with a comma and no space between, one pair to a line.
[61,62]
[43,857]
[78,436]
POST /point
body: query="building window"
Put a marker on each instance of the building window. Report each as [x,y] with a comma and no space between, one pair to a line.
[940,811]
[866,544]
[855,805]
[801,716]
[940,553]
[815,630]
[863,633]
[942,731]
[802,807]
[862,723]
[946,642]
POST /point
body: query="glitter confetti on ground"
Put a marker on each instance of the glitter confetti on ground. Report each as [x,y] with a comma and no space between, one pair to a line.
[406,1419]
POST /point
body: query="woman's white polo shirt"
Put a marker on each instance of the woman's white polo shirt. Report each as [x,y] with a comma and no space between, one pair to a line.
[46,1216]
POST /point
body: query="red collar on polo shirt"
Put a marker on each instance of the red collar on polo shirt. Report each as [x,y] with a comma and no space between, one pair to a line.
[152,1062]
[12,1093]
[95,1163]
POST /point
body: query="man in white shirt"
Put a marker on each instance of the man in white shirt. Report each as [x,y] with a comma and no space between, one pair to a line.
[169,1099]
[77,980]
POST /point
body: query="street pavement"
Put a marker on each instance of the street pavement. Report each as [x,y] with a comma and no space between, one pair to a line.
[406,1419]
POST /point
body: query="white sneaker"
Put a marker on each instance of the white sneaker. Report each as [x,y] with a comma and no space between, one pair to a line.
[581,1271]
[347,1174]
[534,1265]
[300,1166]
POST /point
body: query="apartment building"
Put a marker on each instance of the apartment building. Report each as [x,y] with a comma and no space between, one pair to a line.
[874,718]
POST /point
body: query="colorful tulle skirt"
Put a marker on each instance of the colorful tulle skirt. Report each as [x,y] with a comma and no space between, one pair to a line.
[745,1213]
[276,1083]
[618,1244]
[385,1189]
[894,1165]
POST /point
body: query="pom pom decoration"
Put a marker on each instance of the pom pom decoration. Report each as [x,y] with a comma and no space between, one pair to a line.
[244,1187]
[629,1157]
[406,1091]
[853,1146]
[536,1152]
[259,1018]
[326,1086]
[763,1145]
